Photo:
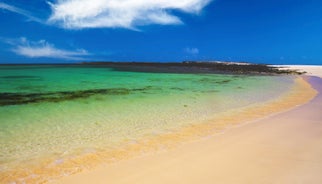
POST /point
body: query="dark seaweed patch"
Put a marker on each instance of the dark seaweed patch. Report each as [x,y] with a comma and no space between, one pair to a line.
[206,80]
[20,77]
[25,98]
[177,88]
[223,81]
[214,81]
[211,91]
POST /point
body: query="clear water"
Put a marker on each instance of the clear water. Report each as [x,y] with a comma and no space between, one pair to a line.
[122,107]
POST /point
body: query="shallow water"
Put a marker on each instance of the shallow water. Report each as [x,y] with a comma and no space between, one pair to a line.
[58,112]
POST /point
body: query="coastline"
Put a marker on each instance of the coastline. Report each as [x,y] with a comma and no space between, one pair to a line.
[41,153]
[311,70]
[180,159]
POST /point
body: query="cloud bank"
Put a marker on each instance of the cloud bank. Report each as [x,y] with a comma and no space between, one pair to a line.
[78,14]
[44,49]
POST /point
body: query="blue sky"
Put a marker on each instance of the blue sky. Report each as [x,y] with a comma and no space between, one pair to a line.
[262,31]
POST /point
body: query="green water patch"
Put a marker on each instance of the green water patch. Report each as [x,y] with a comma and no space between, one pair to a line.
[30,87]
[25,98]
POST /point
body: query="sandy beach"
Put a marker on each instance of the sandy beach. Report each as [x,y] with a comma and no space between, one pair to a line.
[281,148]
[160,92]
[311,70]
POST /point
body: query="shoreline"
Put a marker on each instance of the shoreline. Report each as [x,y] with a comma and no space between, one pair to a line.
[311,70]
[97,175]
[153,144]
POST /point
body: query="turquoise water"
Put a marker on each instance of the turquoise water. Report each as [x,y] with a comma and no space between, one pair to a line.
[59,112]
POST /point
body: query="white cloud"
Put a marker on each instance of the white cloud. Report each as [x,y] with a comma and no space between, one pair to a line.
[193,51]
[14,9]
[78,14]
[42,48]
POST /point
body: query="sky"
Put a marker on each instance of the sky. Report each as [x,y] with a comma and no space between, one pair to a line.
[64,31]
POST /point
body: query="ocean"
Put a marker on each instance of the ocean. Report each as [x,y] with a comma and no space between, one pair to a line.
[51,116]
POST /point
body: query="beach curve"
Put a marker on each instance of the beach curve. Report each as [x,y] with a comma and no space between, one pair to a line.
[255,146]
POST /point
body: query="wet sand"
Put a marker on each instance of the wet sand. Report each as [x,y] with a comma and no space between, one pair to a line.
[282,148]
